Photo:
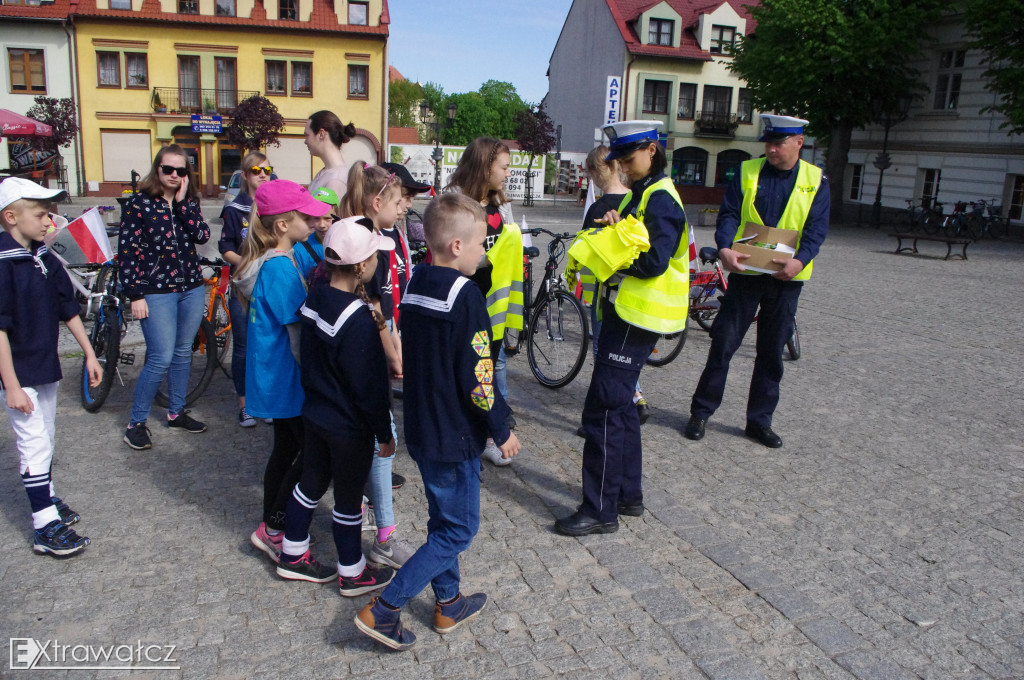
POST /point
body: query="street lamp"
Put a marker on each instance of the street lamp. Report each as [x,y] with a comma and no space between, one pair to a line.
[888,112]
[438,154]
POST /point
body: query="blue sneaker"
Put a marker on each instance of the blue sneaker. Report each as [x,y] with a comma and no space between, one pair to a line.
[67,515]
[58,539]
[448,617]
[384,625]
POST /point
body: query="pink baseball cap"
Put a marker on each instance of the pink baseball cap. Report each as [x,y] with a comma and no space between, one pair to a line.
[279,196]
[353,239]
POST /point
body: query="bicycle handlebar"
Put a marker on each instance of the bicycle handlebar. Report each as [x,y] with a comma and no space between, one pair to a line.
[537,231]
[216,262]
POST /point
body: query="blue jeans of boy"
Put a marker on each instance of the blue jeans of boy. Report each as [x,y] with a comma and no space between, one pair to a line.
[453,507]
[169,330]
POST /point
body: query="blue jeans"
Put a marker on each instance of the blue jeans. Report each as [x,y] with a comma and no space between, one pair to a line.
[169,330]
[501,373]
[453,507]
[239,330]
[378,486]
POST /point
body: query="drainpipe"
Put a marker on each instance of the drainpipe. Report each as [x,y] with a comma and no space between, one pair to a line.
[76,97]
[385,152]
[625,90]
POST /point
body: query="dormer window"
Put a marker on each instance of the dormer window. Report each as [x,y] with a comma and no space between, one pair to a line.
[659,32]
[722,38]
[288,10]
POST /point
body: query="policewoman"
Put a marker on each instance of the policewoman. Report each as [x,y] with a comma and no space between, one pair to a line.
[783,191]
[637,304]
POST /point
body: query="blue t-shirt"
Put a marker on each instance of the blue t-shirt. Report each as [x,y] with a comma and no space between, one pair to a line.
[273,387]
[302,257]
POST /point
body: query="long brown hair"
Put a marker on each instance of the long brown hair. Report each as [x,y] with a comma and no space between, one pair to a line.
[474,169]
[150,184]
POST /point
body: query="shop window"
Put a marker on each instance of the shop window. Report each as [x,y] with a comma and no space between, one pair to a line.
[727,165]
[689,165]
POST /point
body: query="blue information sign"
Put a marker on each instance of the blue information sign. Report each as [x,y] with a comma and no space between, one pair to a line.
[205,123]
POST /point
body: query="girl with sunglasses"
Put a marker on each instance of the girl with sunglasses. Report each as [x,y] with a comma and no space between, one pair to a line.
[255,171]
[159,269]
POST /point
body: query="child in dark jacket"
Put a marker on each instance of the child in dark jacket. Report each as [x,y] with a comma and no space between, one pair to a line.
[451,408]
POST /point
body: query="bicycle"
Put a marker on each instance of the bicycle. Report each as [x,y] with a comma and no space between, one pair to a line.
[988,220]
[705,301]
[555,327]
[958,224]
[217,311]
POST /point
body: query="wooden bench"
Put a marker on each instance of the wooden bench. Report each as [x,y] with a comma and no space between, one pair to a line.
[950,241]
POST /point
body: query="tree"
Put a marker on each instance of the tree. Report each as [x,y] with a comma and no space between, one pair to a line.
[60,115]
[825,60]
[995,30]
[536,135]
[256,124]
[505,103]
[403,102]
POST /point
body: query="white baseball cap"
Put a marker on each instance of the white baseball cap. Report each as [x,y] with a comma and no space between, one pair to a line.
[353,239]
[16,188]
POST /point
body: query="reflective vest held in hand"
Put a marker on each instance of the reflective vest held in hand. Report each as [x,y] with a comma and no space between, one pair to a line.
[505,298]
[659,304]
[798,207]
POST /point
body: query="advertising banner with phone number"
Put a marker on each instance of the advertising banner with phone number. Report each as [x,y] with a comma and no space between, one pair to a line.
[418,159]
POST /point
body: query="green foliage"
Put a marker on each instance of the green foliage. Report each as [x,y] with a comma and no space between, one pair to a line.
[994,26]
[256,124]
[491,111]
[403,103]
[397,155]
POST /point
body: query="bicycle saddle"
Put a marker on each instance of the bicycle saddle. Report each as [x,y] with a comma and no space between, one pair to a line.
[531,252]
[708,254]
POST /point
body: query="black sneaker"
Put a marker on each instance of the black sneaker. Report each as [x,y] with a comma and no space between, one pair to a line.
[306,568]
[58,539]
[397,480]
[186,422]
[67,515]
[372,578]
[137,437]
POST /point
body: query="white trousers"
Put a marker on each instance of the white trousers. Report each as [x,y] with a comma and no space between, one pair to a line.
[34,433]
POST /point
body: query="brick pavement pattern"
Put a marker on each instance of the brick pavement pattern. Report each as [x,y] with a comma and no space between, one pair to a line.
[883,541]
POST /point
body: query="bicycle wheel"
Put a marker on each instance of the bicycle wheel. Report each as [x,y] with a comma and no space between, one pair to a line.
[932,223]
[204,363]
[974,226]
[556,345]
[793,344]
[105,339]
[221,320]
[667,348]
[513,338]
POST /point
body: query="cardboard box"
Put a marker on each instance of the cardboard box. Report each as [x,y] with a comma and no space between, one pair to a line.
[779,244]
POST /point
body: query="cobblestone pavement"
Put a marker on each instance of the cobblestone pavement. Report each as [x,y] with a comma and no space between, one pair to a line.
[883,541]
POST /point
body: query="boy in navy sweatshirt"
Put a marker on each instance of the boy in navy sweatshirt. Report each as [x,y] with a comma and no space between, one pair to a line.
[35,296]
[451,408]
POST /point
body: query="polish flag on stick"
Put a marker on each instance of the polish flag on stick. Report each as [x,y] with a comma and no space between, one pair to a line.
[90,234]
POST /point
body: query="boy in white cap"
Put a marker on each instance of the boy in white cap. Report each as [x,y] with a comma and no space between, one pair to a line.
[783,191]
[35,296]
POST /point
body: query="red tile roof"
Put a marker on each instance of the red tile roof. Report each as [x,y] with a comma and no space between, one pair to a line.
[403,135]
[322,19]
[54,10]
[394,75]
[625,13]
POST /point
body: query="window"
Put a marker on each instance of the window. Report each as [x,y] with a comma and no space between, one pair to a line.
[717,102]
[108,65]
[226,82]
[225,8]
[947,85]
[930,184]
[28,73]
[744,109]
[357,82]
[856,181]
[302,78]
[188,83]
[277,76]
[687,101]
[659,32]
[1017,198]
[136,68]
[288,9]
[722,38]
[120,4]
[358,13]
[689,165]
[727,165]
[188,6]
[656,96]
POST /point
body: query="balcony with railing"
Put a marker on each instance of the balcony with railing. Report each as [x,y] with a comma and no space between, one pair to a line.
[190,100]
[712,124]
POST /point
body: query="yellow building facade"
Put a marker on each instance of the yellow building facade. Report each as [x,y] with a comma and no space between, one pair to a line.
[165,72]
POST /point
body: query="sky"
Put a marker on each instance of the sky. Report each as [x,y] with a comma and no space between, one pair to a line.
[461,44]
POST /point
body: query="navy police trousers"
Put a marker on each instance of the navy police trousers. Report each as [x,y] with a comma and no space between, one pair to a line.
[612,454]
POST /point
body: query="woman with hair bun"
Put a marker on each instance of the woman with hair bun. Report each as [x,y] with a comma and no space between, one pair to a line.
[325,136]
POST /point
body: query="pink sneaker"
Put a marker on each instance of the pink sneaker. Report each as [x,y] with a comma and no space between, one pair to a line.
[271,545]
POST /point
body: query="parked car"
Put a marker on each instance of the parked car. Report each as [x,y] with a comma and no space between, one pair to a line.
[235,185]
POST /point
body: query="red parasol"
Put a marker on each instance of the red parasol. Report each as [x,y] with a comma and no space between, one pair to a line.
[16,125]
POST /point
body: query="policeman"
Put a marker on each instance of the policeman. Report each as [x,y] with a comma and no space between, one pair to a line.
[637,304]
[783,191]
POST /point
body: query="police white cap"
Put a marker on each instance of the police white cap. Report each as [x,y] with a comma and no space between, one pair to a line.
[777,128]
[626,136]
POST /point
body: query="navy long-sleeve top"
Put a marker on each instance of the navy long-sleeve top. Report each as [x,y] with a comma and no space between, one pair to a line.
[773,190]
[665,222]
[451,403]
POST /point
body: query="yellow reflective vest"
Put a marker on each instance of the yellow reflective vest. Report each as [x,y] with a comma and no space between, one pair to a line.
[505,298]
[798,207]
[658,304]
